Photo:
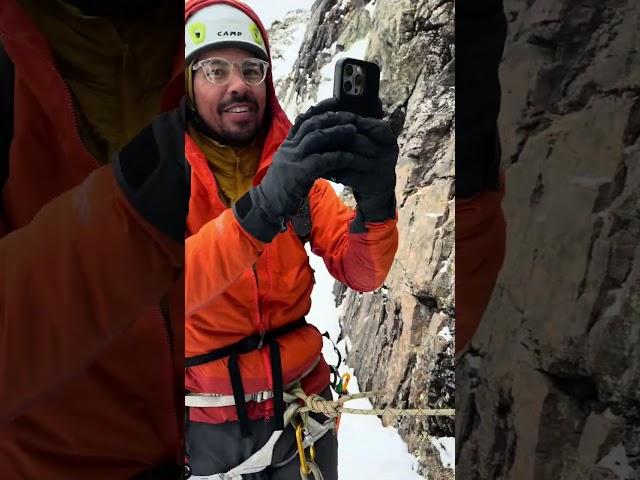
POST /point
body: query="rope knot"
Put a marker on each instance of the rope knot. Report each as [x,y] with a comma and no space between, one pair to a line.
[316,403]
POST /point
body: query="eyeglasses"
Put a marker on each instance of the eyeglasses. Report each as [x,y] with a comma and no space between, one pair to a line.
[219,70]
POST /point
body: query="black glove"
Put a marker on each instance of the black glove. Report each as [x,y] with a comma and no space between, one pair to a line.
[481,29]
[372,172]
[371,168]
[154,175]
[315,145]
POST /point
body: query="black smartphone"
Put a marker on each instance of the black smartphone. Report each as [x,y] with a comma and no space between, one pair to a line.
[356,86]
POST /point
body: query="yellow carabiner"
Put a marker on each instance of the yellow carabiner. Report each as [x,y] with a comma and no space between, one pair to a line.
[304,468]
[312,453]
[345,381]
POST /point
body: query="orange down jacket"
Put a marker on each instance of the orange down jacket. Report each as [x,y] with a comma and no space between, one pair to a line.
[237,286]
[480,250]
[89,387]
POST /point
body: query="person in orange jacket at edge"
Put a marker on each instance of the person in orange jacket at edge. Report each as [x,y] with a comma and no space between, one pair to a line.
[91,366]
[248,279]
[481,29]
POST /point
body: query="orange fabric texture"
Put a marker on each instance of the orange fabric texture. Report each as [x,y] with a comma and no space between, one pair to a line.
[87,384]
[237,286]
[480,250]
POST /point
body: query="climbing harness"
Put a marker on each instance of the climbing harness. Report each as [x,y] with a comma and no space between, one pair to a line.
[263,458]
[308,431]
[297,414]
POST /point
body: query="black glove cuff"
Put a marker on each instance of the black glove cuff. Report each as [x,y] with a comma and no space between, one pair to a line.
[374,209]
[152,184]
[254,220]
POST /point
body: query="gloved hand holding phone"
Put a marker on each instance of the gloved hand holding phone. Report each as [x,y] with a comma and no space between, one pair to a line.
[355,148]
[313,147]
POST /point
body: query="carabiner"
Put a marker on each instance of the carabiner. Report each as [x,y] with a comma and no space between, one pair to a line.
[345,382]
[304,466]
[313,470]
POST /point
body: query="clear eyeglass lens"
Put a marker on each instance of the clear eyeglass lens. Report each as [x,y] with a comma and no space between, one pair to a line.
[218,70]
[253,71]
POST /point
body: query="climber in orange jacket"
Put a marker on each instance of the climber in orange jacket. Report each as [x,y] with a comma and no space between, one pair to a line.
[91,368]
[248,279]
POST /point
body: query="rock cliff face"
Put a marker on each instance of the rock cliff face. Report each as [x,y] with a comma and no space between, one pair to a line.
[552,385]
[402,335]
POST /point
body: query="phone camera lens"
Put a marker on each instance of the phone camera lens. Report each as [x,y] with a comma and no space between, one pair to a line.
[349,70]
[348,86]
[358,80]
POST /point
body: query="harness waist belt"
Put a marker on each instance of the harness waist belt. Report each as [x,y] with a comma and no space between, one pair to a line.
[246,345]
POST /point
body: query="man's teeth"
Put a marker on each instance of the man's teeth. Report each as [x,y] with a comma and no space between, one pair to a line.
[239,109]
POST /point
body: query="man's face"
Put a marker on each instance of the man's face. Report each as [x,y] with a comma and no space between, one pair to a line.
[234,111]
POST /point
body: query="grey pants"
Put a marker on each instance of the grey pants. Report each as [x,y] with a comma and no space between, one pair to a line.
[219,448]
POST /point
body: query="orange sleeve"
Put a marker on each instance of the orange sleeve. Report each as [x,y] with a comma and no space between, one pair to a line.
[359,260]
[215,257]
[73,279]
[480,250]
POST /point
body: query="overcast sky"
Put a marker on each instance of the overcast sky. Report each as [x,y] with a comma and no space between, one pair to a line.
[270,10]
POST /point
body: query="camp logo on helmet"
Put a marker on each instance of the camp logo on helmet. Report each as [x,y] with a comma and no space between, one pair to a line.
[255,33]
[230,34]
[197,32]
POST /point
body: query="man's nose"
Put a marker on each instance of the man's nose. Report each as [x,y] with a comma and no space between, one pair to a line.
[237,84]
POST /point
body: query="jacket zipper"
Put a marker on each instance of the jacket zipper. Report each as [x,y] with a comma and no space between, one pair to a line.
[166,327]
[261,325]
[265,361]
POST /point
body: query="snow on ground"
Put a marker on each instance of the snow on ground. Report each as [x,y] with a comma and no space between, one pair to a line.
[367,450]
[446,446]
[371,7]
[325,87]
[617,462]
[357,50]
[288,53]
[446,334]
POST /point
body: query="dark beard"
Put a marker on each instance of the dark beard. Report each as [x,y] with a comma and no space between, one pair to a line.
[239,140]
[199,124]
[224,138]
[117,8]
